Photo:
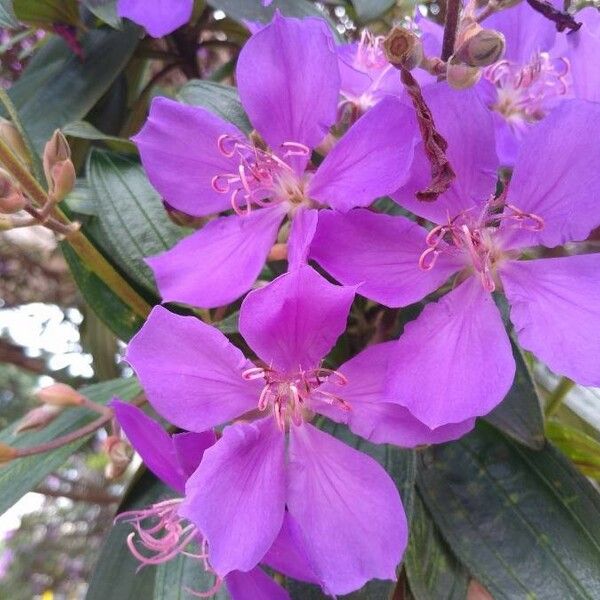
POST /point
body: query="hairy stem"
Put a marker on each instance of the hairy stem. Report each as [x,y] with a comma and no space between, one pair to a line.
[450,27]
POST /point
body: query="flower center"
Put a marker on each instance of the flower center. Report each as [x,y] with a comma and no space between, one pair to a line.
[262,178]
[476,238]
[526,93]
[289,395]
[161,532]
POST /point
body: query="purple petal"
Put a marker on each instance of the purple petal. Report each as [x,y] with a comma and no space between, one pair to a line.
[152,443]
[583,51]
[237,495]
[288,81]
[373,415]
[160,17]
[254,585]
[190,372]
[178,146]
[190,447]
[556,175]
[381,253]
[348,511]
[294,321]
[371,160]
[555,307]
[220,262]
[471,151]
[302,233]
[454,362]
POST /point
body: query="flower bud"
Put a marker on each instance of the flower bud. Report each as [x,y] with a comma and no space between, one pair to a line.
[7,453]
[58,167]
[63,179]
[10,134]
[11,197]
[119,453]
[38,418]
[483,48]
[461,76]
[403,48]
[60,394]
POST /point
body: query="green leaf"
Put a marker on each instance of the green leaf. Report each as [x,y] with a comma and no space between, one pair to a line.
[47,13]
[86,131]
[223,100]
[131,213]
[520,415]
[369,10]
[434,573]
[117,315]
[230,324]
[80,200]
[582,449]
[105,10]
[525,523]
[116,576]
[253,10]
[57,87]
[24,474]
[7,15]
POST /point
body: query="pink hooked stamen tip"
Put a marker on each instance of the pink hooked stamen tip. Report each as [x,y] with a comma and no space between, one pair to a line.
[428,259]
[295,149]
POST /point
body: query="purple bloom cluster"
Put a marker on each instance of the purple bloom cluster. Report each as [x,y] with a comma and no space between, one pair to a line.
[271,487]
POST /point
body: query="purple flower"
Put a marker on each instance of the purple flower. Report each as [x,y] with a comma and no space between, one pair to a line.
[456,354]
[162,532]
[158,17]
[288,80]
[341,508]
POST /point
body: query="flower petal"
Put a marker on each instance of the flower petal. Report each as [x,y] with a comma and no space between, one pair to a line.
[294,321]
[583,51]
[546,183]
[454,362]
[373,415]
[236,498]
[190,446]
[471,152]
[151,442]
[288,80]
[179,151]
[190,372]
[348,511]
[302,233]
[159,18]
[219,263]
[381,253]
[555,307]
[254,585]
[371,160]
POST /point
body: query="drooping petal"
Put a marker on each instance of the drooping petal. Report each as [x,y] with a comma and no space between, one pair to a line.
[190,371]
[555,307]
[556,177]
[371,160]
[179,151]
[454,362]
[236,498]
[219,263]
[373,414]
[288,81]
[254,585]
[381,253]
[294,321]
[152,443]
[471,152]
[347,509]
[304,226]
[583,51]
[189,448]
[160,17]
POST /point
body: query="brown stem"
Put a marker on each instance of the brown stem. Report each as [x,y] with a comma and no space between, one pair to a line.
[450,27]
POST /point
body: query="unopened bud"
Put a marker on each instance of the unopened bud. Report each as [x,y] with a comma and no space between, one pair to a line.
[38,418]
[60,394]
[483,48]
[63,179]
[10,134]
[119,454]
[403,48]
[11,197]
[461,76]
[58,167]
[7,453]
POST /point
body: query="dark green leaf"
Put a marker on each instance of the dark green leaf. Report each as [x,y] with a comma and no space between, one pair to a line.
[525,523]
[57,87]
[7,15]
[581,448]
[222,100]
[520,414]
[86,131]
[46,13]
[80,199]
[131,213]
[117,315]
[374,590]
[105,10]
[23,474]
[253,10]
[369,10]
[229,325]
[434,573]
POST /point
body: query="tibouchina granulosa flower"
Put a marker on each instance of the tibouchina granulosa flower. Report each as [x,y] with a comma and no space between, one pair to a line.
[288,81]
[157,17]
[344,511]
[457,353]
